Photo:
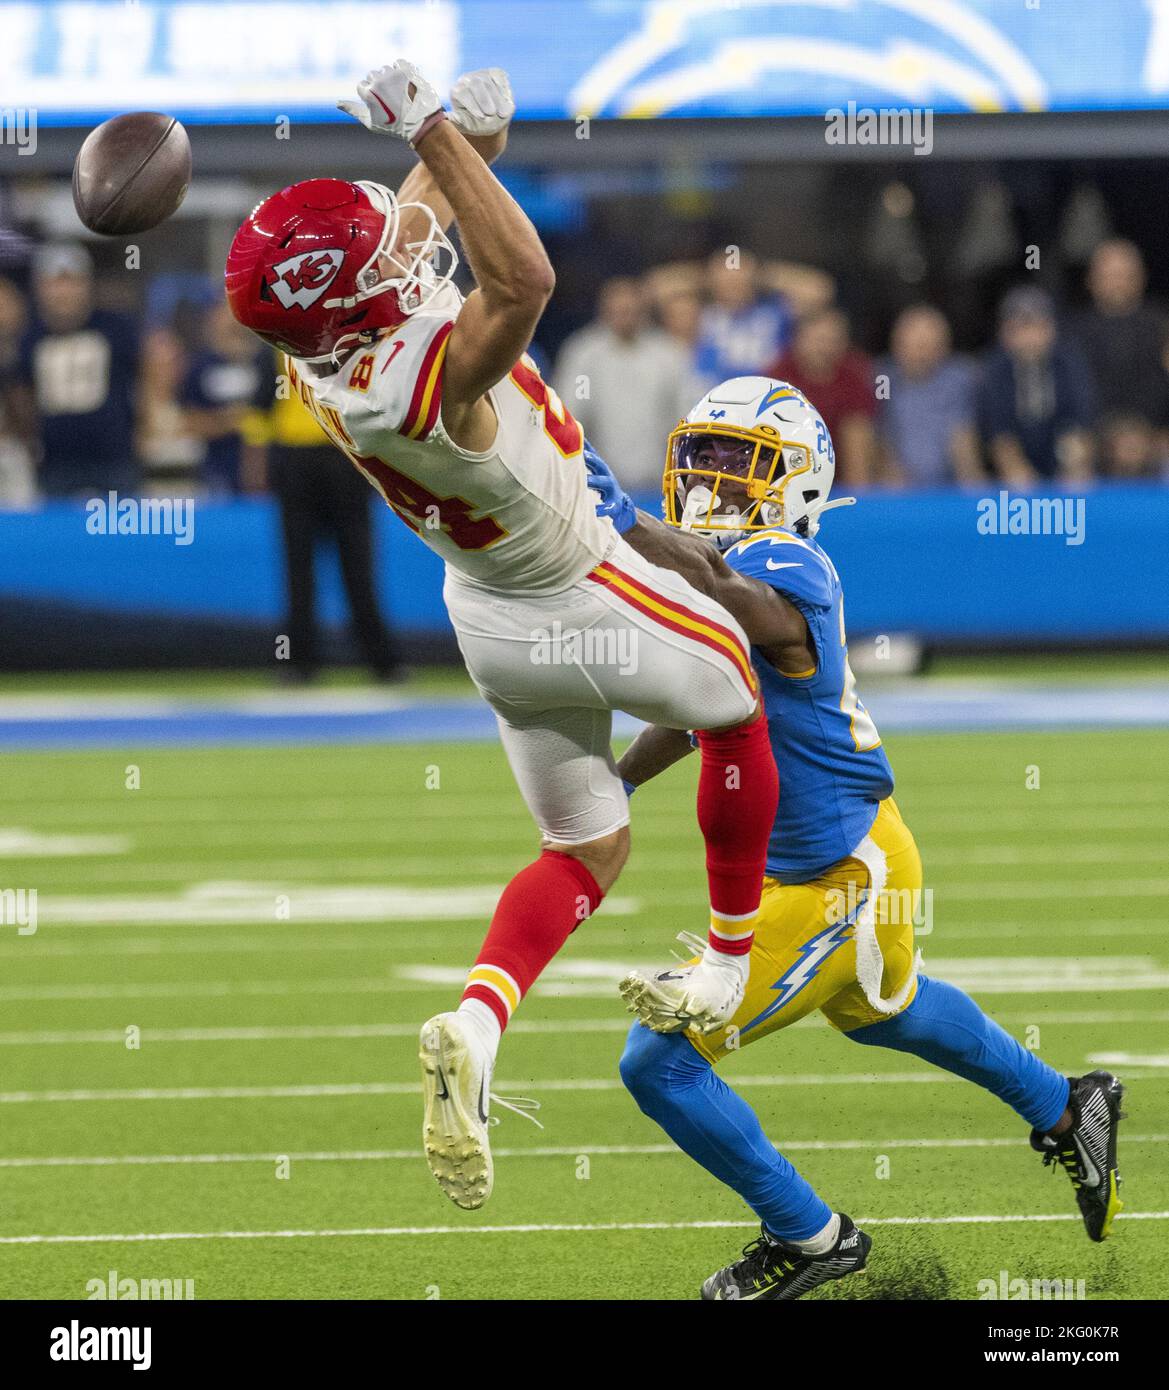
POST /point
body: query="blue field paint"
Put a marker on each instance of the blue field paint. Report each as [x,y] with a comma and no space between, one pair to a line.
[277,720]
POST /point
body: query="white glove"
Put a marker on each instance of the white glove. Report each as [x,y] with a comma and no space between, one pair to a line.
[394,100]
[481,102]
[700,998]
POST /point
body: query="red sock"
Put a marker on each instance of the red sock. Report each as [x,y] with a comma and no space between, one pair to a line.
[738,791]
[539,910]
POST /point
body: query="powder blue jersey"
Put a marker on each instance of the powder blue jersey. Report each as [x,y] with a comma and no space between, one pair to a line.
[833,772]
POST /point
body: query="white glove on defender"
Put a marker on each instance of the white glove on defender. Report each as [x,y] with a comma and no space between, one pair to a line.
[394,100]
[481,102]
[700,997]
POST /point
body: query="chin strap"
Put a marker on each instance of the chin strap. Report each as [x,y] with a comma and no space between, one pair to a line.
[817,510]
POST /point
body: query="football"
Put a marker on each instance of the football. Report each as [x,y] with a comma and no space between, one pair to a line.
[131,173]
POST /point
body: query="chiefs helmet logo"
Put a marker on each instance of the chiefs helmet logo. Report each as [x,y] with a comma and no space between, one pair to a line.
[302,279]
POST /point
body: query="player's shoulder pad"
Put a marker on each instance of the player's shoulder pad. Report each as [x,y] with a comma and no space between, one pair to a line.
[400,376]
[796,567]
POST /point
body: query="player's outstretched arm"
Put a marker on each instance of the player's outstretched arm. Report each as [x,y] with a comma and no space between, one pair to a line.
[513,271]
[482,108]
[651,752]
[514,275]
[768,619]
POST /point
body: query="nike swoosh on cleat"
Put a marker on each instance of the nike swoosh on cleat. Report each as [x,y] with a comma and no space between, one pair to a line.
[1091,1172]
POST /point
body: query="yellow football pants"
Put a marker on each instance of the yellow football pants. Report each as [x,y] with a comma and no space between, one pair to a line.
[804,954]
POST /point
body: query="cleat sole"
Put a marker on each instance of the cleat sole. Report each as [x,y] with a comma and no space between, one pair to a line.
[454,1138]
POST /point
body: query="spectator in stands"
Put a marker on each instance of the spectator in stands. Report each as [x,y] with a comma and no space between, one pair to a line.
[926,417]
[78,373]
[840,382]
[1131,450]
[221,387]
[742,328]
[624,380]
[680,312]
[1036,405]
[170,454]
[16,479]
[322,497]
[1125,341]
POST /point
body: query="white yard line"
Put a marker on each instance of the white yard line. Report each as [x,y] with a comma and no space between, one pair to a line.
[1128,1059]
[300,1031]
[208,989]
[981,981]
[310,1032]
[918,792]
[544,1151]
[411,1088]
[38,947]
[541,1228]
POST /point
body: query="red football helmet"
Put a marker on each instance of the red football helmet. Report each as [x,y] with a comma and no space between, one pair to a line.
[312,268]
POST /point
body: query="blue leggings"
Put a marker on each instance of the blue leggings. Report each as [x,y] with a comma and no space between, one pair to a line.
[679,1089]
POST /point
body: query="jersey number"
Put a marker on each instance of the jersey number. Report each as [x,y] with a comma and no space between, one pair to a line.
[362,374]
[419,507]
[414,503]
[559,425]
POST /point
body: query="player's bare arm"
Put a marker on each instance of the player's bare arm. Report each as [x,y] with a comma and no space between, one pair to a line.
[482,107]
[774,625]
[653,751]
[514,276]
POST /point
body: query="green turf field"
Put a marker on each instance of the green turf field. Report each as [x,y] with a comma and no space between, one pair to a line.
[277,923]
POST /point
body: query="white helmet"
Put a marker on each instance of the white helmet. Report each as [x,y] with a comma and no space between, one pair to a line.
[763,444]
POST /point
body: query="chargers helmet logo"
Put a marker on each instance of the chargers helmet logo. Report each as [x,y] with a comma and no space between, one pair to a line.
[302,279]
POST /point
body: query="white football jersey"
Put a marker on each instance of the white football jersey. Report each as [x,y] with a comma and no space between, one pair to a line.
[518,517]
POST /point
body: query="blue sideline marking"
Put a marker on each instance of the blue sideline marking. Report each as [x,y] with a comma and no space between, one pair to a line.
[953,707]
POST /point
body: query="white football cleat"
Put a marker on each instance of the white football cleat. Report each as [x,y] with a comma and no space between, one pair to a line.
[700,997]
[456,1082]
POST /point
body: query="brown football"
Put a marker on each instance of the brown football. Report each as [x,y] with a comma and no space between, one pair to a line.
[131,173]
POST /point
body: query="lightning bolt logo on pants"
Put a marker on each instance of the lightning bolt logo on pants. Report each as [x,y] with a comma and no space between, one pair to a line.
[810,957]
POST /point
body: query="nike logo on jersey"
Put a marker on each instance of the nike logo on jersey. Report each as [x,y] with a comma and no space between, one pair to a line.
[783,564]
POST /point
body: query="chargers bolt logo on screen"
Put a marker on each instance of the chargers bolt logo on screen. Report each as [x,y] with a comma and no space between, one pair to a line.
[302,279]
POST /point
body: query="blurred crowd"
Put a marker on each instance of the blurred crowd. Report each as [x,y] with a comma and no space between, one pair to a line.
[1058,398]
[180,401]
[93,398]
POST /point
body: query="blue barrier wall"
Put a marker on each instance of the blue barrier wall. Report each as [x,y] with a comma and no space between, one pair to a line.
[914,563]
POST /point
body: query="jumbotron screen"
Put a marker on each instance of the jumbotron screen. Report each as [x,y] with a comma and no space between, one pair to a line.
[75,61]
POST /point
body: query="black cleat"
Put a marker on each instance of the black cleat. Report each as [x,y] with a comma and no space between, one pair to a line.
[774,1270]
[1087,1151]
